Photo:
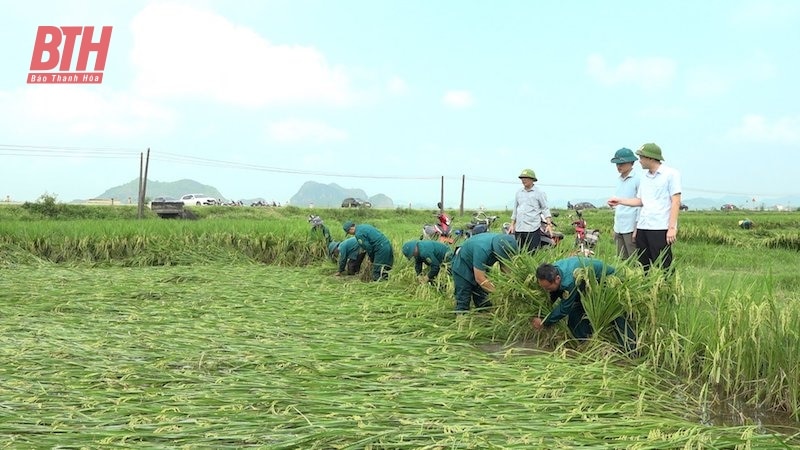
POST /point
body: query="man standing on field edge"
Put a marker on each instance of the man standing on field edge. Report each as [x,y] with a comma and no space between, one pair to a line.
[659,195]
[530,210]
[625,216]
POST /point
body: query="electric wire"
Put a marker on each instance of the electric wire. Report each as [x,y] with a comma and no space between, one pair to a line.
[52,151]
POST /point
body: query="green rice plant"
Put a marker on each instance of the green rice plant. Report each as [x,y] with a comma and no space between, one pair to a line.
[162,359]
[725,321]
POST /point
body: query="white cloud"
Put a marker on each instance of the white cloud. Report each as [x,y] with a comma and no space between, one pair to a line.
[458,99]
[648,73]
[397,86]
[293,130]
[183,51]
[81,111]
[759,129]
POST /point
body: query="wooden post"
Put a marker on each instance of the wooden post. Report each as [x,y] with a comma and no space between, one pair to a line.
[143,164]
[139,203]
[441,197]
[461,208]
[144,181]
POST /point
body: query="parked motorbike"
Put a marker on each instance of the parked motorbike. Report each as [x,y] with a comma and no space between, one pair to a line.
[551,238]
[481,223]
[548,239]
[439,231]
[585,240]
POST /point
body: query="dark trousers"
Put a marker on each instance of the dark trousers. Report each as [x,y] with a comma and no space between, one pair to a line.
[382,262]
[528,240]
[651,244]
[577,322]
[581,328]
[354,265]
[467,291]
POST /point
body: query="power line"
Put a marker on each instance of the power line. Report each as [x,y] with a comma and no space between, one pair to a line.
[122,152]
[67,152]
[172,157]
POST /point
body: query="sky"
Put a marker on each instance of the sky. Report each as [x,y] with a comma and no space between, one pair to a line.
[256,98]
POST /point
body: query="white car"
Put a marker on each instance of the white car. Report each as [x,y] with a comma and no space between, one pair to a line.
[198,200]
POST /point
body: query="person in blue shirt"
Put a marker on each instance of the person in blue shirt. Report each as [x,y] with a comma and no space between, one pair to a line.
[558,279]
[376,244]
[434,254]
[471,264]
[659,196]
[625,216]
[348,255]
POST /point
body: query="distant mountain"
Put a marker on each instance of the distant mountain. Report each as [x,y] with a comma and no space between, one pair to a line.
[175,189]
[381,201]
[331,195]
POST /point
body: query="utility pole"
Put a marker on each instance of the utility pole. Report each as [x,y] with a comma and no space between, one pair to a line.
[461,208]
[441,197]
[139,206]
[143,165]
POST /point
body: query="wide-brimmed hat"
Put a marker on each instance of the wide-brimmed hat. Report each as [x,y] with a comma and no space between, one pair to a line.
[528,173]
[624,155]
[651,151]
[347,225]
[408,248]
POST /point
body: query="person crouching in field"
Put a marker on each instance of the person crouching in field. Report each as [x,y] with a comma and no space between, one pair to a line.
[434,254]
[376,244]
[348,255]
[558,279]
[471,264]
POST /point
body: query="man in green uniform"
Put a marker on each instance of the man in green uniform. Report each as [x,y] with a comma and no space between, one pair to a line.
[471,263]
[431,253]
[348,255]
[559,280]
[377,246]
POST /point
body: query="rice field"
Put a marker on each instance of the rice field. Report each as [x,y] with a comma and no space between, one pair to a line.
[232,333]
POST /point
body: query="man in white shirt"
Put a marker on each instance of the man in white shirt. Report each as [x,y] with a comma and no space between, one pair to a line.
[530,210]
[659,196]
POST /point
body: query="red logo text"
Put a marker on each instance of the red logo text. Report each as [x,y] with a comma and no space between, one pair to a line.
[53,53]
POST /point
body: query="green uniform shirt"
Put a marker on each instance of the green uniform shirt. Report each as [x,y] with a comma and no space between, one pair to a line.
[370,239]
[433,254]
[481,252]
[569,292]
[348,249]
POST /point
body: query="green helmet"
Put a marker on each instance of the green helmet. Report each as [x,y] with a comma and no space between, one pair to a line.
[504,246]
[528,173]
[408,249]
[624,155]
[332,247]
